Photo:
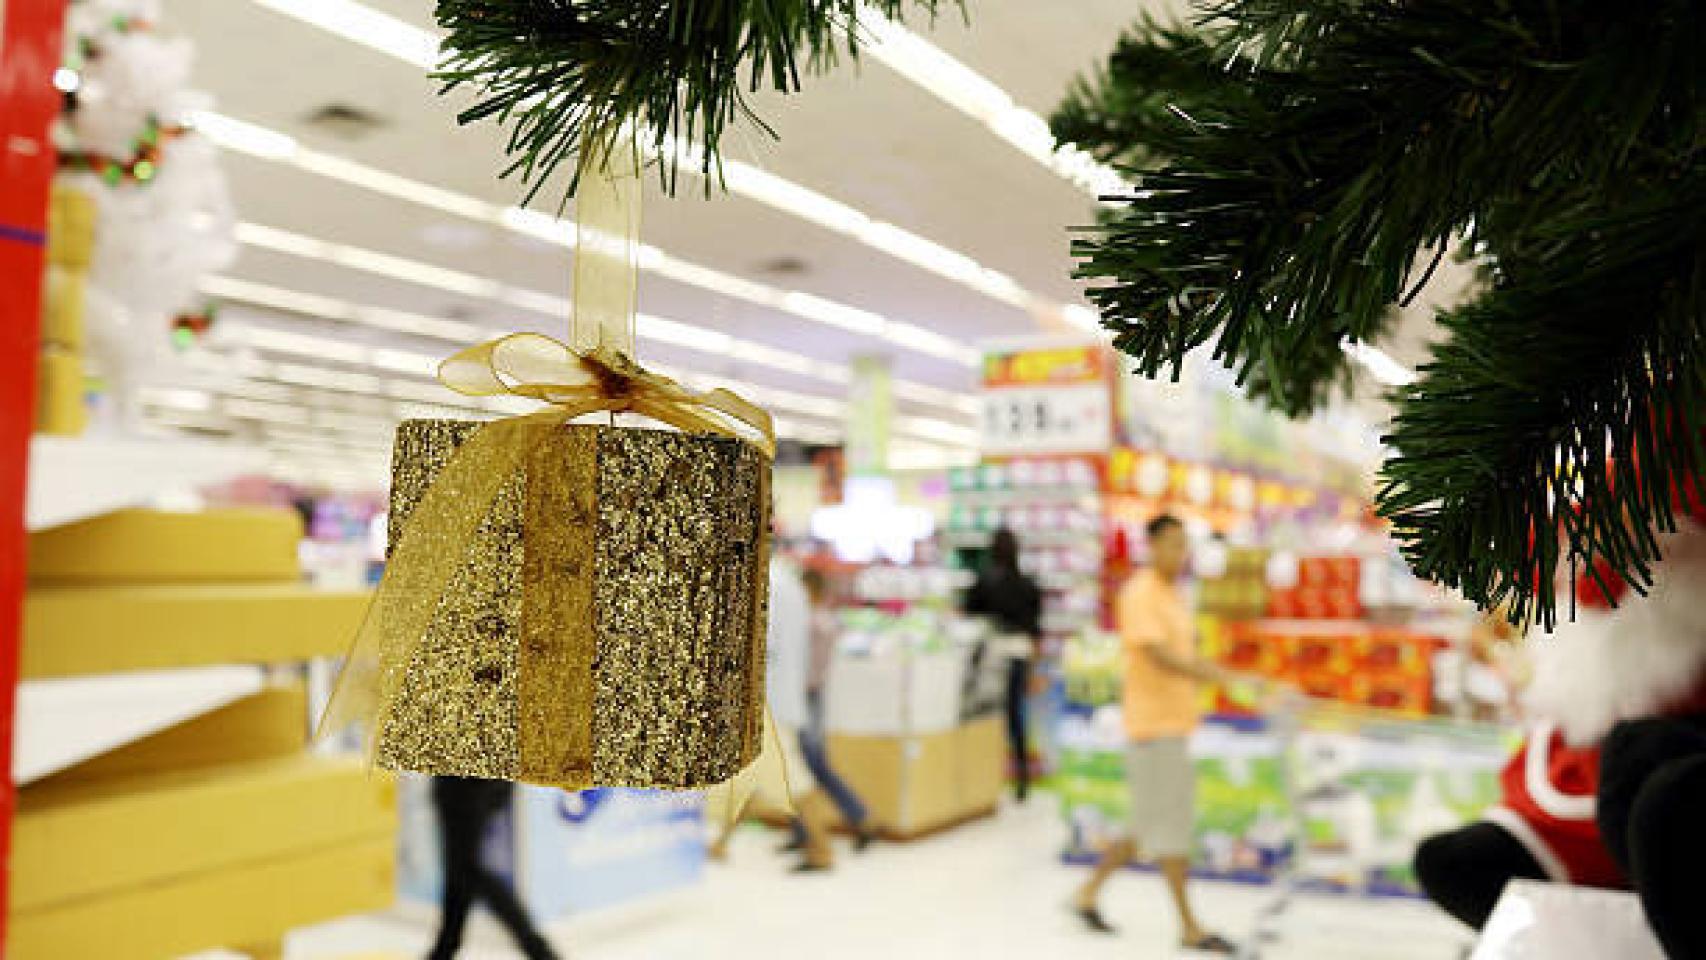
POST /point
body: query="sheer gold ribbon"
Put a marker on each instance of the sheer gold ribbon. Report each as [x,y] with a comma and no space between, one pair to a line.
[594,374]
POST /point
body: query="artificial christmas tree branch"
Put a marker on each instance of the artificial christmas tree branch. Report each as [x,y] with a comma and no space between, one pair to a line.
[1300,165]
[669,73]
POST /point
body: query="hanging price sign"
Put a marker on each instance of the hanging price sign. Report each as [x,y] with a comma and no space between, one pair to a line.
[1053,399]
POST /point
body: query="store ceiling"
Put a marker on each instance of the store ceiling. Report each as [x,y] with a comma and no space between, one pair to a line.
[864,136]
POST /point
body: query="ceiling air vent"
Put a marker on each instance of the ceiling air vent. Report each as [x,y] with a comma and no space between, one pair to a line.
[344,121]
[784,266]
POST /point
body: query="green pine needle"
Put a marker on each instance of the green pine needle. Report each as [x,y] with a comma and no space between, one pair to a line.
[1303,163]
[556,71]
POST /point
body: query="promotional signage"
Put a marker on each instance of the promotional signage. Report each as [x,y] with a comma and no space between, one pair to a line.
[1047,399]
[870,411]
[566,852]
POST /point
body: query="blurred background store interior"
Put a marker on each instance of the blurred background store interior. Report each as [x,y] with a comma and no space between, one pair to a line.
[309,231]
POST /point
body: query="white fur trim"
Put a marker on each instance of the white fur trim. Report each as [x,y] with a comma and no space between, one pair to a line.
[1613,665]
[1537,776]
[1517,827]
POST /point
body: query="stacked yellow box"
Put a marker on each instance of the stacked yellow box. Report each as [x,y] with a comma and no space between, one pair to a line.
[221,831]
[71,245]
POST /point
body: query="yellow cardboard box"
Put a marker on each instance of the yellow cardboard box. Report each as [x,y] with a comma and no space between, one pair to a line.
[71,228]
[272,724]
[75,840]
[62,310]
[104,629]
[247,903]
[156,546]
[59,393]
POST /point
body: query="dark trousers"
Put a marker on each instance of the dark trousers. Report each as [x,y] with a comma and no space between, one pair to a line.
[814,749]
[1018,734]
[465,807]
[1652,791]
[1465,871]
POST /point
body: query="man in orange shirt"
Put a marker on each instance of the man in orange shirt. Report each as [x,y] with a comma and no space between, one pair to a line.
[1163,677]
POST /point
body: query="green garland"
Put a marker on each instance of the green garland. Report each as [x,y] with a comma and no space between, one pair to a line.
[1302,164]
[555,70]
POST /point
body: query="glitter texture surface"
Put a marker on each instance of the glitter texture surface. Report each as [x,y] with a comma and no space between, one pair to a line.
[612,604]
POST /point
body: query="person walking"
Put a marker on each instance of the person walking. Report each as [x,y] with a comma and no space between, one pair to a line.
[784,777]
[1163,677]
[1013,603]
[814,737]
[465,807]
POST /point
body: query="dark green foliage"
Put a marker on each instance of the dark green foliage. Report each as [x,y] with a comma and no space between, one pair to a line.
[1302,163]
[555,70]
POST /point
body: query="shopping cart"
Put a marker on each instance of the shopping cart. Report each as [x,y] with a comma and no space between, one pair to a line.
[1315,754]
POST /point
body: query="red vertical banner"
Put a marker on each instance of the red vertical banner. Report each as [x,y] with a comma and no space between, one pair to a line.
[29,53]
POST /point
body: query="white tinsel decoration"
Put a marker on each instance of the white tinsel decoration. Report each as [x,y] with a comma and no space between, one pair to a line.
[154,241]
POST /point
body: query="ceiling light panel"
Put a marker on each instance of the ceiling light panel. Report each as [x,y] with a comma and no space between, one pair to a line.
[359,23]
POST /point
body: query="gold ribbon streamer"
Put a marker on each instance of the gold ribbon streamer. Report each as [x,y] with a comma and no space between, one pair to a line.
[594,374]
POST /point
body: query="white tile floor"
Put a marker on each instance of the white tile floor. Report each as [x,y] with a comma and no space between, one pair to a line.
[992,890]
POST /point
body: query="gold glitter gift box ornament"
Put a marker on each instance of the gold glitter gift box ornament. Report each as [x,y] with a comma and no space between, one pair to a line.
[572,604]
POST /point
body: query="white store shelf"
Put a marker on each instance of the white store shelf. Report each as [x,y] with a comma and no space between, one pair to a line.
[64,721]
[74,478]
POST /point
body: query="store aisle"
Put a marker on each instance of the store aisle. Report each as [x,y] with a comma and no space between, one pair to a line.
[991,890]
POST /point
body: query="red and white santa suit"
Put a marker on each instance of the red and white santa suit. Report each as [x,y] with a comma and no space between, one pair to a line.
[1645,656]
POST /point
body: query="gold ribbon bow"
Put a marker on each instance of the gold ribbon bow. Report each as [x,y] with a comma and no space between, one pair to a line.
[538,367]
[596,374]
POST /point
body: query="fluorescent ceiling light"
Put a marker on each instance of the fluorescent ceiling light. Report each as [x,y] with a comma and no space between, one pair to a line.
[404,361]
[278,298]
[261,410]
[249,138]
[936,396]
[648,326]
[1082,317]
[929,341]
[233,134]
[285,341]
[418,324]
[835,314]
[178,398]
[392,185]
[1379,364]
[943,430]
[974,95]
[322,377]
[539,225]
[362,24]
[908,54]
[681,334]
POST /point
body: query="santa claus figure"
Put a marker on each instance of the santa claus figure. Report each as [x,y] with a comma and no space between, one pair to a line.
[1609,788]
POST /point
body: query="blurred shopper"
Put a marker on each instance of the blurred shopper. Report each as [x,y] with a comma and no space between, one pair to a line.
[1012,601]
[1163,677]
[784,776]
[465,807]
[814,737]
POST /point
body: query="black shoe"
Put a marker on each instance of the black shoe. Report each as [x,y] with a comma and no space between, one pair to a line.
[1212,943]
[863,840]
[806,866]
[1092,918]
